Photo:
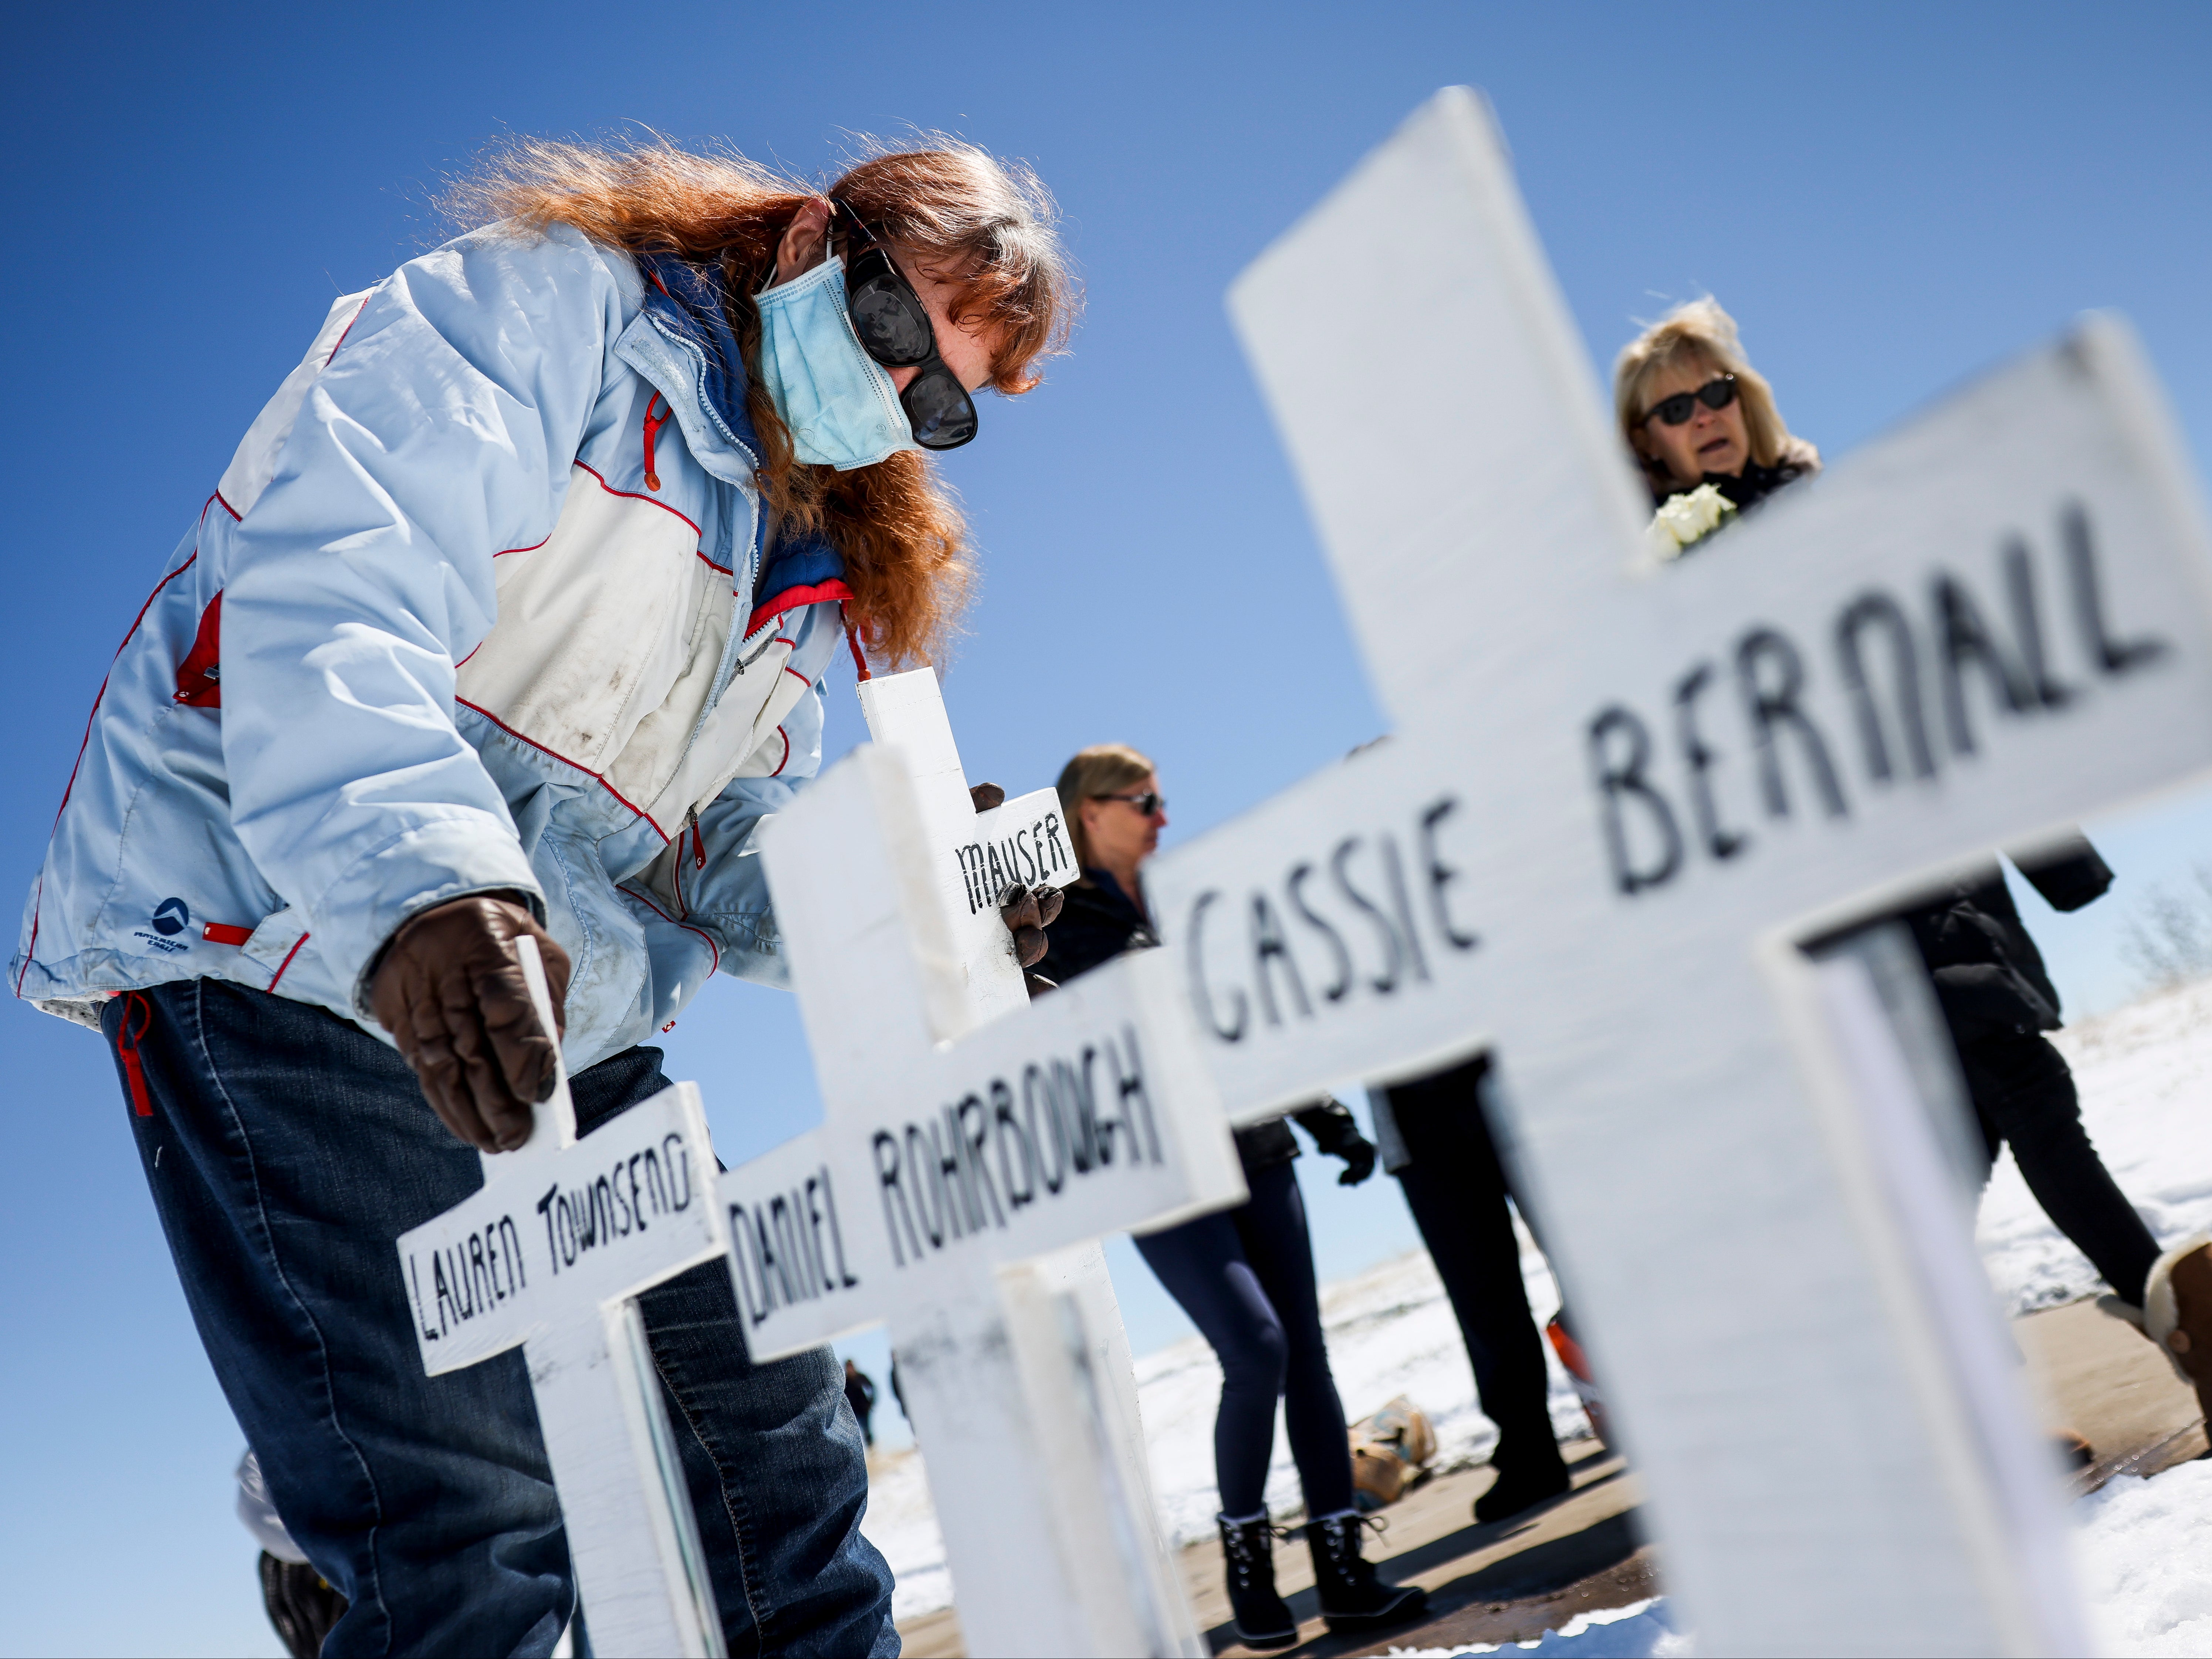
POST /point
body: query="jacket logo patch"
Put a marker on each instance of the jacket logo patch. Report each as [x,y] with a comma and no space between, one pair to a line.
[171,916]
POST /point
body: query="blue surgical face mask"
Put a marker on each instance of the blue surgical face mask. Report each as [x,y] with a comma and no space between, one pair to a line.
[840,403]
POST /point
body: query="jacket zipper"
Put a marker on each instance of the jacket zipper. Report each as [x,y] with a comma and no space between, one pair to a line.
[651,431]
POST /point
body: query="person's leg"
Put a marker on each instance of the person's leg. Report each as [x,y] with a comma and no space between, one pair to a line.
[1202,1265]
[1273,1226]
[1457,1190]
[773,1453]
[2022,1088]
[287,1150]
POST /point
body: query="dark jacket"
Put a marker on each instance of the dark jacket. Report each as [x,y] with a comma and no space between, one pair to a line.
[1097,922]
[1749,487]
[1989,975]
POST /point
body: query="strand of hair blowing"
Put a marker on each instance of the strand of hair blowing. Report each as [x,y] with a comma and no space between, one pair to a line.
[950,208]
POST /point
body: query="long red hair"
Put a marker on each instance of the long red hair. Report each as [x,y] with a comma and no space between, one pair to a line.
[953,208]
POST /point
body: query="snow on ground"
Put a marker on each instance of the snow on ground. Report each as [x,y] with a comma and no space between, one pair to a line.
[901,1524]
[2145,1076]
[2144,1556]
[1641,1630]
[2143,1549]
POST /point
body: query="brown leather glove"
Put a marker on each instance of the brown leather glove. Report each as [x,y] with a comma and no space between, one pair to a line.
[1026,912]
[450,990]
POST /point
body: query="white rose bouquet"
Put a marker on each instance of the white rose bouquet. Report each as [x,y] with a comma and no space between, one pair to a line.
[1686,520]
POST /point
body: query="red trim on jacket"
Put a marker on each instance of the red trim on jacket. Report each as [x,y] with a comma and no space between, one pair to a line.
[357,310]
[786,761]
[791,598]
[801,678]
[30,951]
[532,548]
[631,892]
[288,954]
[632,495]
[199,683]
[217,499]
[521,737]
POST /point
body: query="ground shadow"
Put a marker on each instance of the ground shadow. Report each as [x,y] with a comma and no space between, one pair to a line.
[1541,1570]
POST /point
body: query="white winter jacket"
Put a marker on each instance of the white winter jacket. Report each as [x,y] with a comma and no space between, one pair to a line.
[480,604]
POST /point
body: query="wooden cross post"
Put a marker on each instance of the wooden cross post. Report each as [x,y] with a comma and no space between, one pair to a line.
[549,1254]
[1619,799]
[963,1174]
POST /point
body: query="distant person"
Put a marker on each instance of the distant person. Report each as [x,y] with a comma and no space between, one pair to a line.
[860,1395]
[1437,1141]
[301,1603]
[1245,1276]
[1695,412]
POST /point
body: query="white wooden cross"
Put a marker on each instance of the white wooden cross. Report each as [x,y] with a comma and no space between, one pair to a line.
[964,1170]
[548,1254]
[1620,798]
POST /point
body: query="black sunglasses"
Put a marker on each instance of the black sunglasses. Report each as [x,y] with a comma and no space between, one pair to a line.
[893,327]
[1715,393]
[1146,804]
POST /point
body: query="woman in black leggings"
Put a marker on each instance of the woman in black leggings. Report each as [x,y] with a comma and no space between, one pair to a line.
[1245,1276]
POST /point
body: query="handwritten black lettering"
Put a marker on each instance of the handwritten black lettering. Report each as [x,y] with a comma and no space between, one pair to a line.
[887,1175]
[2028,627]
[1622,776]
[1235,1031]
[1722,843]
[1442,875]
[1968,641]
[1771,702]
[2113,657]
[1392,953]
[1021,1161]
[1877,607]
[1271,954]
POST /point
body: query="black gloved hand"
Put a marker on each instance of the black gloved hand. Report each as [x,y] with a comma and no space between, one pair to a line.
[1358,1156]
[1335,1132]
[450,990]
[1026,911]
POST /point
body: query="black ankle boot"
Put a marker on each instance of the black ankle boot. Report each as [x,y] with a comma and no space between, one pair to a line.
[1351,1598]
[1521,1486]
[1247,1554]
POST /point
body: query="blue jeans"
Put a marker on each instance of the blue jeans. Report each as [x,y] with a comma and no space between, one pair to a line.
[287,1150]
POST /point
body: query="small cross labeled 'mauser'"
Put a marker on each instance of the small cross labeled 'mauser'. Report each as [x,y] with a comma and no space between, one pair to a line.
[549,1254]
[1622,802]
[974,1149]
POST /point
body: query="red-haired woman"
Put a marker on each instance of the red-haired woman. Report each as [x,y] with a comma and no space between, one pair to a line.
[510,618]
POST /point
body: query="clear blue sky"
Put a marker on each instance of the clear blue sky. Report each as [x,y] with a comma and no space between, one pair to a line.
[1889,198]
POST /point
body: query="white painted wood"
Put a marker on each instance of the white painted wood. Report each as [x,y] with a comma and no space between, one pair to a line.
[548,1254]
[1707,1125]
[975,1148]
[976,856]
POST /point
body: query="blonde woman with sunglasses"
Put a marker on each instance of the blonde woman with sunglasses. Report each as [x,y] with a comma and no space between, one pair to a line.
[1697,414]
[1694,412]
